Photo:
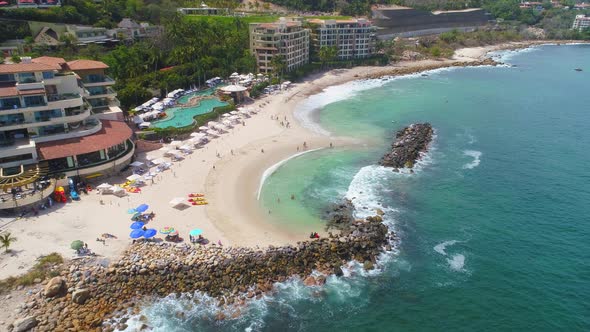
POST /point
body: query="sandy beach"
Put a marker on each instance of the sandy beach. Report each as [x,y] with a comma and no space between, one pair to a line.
[227,170]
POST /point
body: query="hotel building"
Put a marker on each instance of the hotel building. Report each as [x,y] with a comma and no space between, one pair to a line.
[581,22]
[58,119]
[354,38]
[286,38]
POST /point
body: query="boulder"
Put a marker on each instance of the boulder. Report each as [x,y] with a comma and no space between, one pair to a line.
[80,296]
[309,281]
[55,286]
[368,265]
[25,324]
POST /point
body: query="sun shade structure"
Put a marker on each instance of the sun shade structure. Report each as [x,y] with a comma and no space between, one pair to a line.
[77,245]
[24,177]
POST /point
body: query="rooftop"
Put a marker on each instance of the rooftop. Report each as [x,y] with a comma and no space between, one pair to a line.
[50,61]
[8,90]
[86,65]
[25,68]
[112,133]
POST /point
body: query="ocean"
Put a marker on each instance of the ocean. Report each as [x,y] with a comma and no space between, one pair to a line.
[494,225]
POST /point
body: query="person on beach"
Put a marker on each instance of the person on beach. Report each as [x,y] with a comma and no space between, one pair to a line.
[292,197]
[278,200]
[262,150]
[331,145]
[297,148]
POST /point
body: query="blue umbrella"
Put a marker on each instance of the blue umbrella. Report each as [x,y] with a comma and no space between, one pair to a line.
[150,233]
[136,233]
[142,208]
[196,232]
[137,225]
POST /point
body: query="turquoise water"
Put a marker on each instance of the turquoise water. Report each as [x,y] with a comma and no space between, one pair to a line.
[183,116]
[494,225]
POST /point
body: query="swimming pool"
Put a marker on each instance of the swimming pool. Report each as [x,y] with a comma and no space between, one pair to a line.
[183,116]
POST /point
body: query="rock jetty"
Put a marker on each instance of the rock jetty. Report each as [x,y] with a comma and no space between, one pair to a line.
[85,296]
[409,143]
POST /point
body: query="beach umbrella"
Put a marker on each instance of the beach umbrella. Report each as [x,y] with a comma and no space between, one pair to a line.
[167,230]
[150,233]
[196,232]
[137,225]
[136,233]
[77,245]
[131,211]
[135,216]
[174,233]
[142,208]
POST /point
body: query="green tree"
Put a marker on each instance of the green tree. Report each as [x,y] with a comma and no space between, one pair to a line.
[278,65]
[328,54]
[6,240]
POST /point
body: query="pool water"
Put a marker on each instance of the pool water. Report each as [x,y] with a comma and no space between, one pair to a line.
[184,116]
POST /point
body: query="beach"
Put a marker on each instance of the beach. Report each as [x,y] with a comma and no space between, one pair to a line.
[227,170]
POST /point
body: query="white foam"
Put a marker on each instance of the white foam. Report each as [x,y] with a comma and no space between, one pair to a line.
[440,248]
[456,262]
[476,158]
[269,171]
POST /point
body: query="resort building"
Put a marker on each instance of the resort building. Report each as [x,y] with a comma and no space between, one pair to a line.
[48,129]
[354,38]
[285,37]
[204,10]
[581,22]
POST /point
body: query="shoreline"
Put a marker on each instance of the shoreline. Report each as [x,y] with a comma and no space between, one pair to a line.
[234,215]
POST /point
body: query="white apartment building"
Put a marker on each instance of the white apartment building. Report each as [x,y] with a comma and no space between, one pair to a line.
[286,38]
[581,22]
[354,38]
[48,128]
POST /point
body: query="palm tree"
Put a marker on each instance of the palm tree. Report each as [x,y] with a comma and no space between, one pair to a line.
[278,65]
[6,240]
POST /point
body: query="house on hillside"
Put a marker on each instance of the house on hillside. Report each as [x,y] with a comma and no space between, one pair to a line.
[129,29]
[204,10]
[47,36]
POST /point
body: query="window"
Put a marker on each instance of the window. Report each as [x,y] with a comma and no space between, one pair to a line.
[19,157]
[48,75]
[26,78]
[9,103]
[32,101]
[7,78]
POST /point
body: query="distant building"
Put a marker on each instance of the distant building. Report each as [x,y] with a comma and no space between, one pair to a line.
[537,6]
[204,10]
[37,3]
[581,22]
[48,127]
[90,35]
[354,38]
[130,29]
[285,37]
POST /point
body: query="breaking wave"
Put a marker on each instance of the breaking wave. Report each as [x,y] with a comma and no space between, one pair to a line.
[476,159]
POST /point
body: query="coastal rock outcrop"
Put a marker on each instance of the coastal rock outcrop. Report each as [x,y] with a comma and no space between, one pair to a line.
[230,274]
[409,143]
[339,216]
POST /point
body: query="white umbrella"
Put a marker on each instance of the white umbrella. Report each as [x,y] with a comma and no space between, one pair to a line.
[144,125]
[197,135]
[203,128]
[134,177]
[178,201]
[104,186]
[212,133]
[175,143]
[158,161]
[119,192]
[212,124]
[136,164]
[185,147]
[227,123]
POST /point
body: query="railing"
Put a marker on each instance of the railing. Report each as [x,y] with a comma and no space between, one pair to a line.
[63,96]
[101,79]
[8,201]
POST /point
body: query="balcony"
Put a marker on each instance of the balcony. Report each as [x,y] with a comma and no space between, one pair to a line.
[39,192]
[30,85]
[91,127]
[102,93]
[97,81]
[45,121]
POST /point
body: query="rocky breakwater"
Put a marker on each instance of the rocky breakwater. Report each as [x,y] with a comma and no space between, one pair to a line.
[85,296]
[401,70]
[409,143]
